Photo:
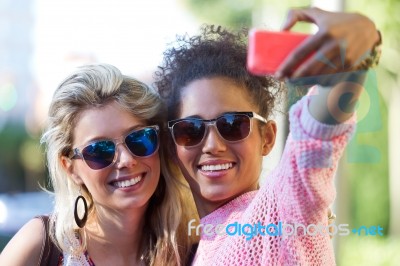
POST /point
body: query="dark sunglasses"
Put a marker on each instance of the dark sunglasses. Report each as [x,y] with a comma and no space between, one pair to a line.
[100,154]
[232,127]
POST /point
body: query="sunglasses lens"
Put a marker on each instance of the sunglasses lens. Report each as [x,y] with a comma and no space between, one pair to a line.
[143,142]
[233,127]
[99,154]
[189,132]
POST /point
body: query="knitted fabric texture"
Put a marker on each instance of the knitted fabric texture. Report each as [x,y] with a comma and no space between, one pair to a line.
[298,191]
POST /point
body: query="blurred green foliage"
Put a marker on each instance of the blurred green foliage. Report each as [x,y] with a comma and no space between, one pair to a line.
[236,14]
[367,163]
[12,172]
[224,12]
[369,250]
[21,160]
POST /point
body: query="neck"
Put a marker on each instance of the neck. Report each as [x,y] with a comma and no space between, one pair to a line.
[115,234]
[206,206]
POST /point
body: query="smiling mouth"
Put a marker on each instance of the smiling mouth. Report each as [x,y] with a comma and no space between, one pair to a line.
[127,183]
[216,167]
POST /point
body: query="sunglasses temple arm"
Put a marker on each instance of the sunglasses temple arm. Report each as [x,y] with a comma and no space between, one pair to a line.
[259,117]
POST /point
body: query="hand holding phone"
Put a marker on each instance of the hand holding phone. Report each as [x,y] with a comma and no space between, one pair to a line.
[268,49]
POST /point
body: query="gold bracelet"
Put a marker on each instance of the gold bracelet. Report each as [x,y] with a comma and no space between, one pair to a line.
[373,59]
[331,215]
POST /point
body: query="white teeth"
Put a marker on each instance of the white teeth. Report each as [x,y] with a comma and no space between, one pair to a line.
[127,183]
[216,167]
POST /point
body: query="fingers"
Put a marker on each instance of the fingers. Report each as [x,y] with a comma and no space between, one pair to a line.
[297,56]
[331,56]
[307,47]
[326,67]
[334,56]
[322,62]
[304,14]
[342,40]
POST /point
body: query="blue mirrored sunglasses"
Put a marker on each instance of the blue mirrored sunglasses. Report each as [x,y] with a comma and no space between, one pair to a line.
[100,154]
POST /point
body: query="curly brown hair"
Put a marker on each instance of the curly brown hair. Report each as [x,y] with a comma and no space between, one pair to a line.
[216,51]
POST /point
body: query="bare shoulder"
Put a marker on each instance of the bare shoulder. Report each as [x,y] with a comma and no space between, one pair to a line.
[25,247]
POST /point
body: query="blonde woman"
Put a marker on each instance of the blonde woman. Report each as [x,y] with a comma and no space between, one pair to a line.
[112,204]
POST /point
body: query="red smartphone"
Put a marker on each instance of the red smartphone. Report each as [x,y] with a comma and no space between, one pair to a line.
[268,49]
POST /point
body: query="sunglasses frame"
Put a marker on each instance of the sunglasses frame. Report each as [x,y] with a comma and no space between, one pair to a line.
[212,122]
[77,152]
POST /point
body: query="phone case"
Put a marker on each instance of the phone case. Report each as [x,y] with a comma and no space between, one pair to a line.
[268,49]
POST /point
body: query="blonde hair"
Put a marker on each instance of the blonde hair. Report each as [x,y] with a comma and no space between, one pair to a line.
[165,241]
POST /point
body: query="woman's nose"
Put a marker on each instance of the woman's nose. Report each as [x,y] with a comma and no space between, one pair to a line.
[125,157]
[213,142]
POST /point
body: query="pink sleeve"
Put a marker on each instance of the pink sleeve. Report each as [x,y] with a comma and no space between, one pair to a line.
[304,177]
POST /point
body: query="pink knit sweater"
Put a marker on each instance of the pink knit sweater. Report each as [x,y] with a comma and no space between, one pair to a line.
[298,191]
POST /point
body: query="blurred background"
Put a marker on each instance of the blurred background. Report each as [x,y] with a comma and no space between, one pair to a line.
[41,41]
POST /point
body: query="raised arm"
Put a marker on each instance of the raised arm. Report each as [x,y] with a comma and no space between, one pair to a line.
[340,48]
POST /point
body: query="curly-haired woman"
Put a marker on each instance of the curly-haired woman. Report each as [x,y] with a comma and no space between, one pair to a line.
[219,118]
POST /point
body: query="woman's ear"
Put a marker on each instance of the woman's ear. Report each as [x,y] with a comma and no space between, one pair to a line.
[268,137]
[70,170]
